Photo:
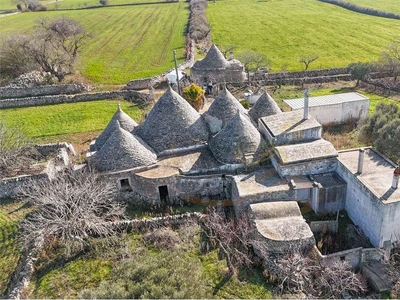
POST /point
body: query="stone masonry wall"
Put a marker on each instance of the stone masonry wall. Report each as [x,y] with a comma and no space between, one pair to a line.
[132,96]
[19,92]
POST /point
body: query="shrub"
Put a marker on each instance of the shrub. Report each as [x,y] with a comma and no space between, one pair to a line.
[103,2]
[245,104]
[163,238]
[150,275]
[194,94]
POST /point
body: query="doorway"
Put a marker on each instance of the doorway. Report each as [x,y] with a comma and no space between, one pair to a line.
[164,197]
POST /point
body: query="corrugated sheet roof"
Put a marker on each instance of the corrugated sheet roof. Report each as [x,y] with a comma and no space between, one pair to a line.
[326,100]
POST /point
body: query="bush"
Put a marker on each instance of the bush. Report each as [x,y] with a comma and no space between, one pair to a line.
[163,238]
[164,274]
[194,94]
[104,2]
[245,104]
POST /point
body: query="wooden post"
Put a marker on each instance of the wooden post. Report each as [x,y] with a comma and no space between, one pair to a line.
[177,74]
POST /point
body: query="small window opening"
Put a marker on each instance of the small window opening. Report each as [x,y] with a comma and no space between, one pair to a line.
[125,185]
[343,258]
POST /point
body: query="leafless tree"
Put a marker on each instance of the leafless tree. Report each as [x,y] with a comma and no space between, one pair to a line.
[390,59]
[53,47]
[253,61]
[307,60]
[71,208]
[227,50]
[232,237]
[15,149]
[299,273]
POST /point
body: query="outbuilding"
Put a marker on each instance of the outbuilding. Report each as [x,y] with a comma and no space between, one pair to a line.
[334,109]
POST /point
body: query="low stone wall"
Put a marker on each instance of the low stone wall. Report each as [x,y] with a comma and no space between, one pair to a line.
[132,96]
[20,92]
[355,257]
[318,226]
[301,74]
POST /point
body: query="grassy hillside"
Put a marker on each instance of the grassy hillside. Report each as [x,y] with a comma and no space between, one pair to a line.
[128,42]
[386,5]
[285,30]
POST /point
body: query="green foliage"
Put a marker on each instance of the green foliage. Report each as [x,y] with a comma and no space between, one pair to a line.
[360,71]
[284,30]
[123,50]
[65,118]
[245,104]
[194,94]
[383,130]
[161,275]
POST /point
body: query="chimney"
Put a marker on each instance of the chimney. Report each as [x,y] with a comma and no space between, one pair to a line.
[360,160]
[396,175]
[306,94]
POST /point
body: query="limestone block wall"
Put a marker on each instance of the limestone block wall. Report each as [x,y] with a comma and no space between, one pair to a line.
[363,207]
[57,99]
[305,168]
[19,92]
[8,187]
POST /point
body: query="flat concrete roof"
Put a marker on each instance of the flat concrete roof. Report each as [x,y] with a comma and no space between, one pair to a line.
[377,174]
[296,153]
[259,182]
[298,103]
[289,122]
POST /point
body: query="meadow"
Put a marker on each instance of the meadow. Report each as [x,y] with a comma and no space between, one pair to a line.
[286,30]
[76,123]
[11,214]
[127,42]
[385,5]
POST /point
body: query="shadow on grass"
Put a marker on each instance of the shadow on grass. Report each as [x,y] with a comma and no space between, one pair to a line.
[346,89]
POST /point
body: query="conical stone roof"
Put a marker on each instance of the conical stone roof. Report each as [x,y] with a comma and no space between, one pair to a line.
[213,60]
[125,121]
[225,106]
[172,123]
[237,138]
[265,106]
[123,151]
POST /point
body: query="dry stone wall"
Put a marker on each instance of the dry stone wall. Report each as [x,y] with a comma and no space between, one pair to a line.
[19,92]
[132,96]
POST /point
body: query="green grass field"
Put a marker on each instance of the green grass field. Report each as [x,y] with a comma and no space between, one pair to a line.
[11,213]
[285,30]
[385,5]
[127,42]
[69,118]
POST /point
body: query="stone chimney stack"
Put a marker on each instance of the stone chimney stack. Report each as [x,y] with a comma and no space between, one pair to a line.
[306,94]
[360,160]
[396,176]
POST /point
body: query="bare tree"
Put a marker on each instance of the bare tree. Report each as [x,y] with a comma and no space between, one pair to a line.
[71,208]
[15,150]
[53,47]
[232,237]
[227,50]
[297,272]
[253,61]
[307,60]
[390,59]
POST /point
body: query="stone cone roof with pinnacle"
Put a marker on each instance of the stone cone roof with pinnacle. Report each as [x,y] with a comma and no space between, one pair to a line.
[225,106]
[265,106]
[172,123]
[237,138]
[123,151]
[213,60]
[125,121]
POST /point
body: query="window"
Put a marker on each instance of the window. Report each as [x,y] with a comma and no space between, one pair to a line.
[125,185]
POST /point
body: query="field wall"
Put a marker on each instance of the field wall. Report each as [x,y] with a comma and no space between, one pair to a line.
[20,92]
[132,96]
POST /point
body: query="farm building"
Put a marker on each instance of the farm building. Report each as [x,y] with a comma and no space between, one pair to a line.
[178,155]
[215,68]
[334,109]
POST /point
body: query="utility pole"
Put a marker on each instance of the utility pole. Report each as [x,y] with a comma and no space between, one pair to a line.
[177,74]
